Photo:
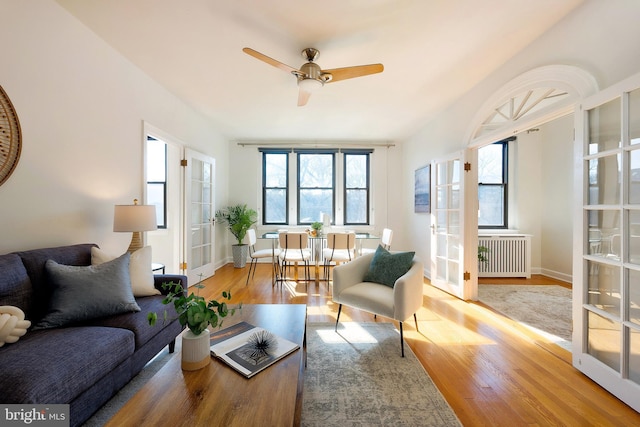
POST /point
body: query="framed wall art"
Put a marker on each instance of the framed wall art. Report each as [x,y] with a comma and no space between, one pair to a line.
[422,190]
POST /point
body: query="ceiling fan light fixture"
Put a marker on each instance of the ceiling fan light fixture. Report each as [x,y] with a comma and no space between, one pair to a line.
[310,85]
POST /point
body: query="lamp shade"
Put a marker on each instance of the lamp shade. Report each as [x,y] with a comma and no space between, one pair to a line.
[134,218]
[310,85]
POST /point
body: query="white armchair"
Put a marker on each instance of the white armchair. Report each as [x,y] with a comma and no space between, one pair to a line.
[398,303]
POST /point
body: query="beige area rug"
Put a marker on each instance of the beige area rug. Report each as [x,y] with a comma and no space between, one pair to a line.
[354,377]
[357,377]
[544,309]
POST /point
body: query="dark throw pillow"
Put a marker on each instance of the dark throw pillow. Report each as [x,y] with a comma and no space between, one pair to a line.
[88,292]
[386,268]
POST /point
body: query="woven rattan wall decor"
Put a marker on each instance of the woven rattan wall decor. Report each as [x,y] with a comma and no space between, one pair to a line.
[10,137]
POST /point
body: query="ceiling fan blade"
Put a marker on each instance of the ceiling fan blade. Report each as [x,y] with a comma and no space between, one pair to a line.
[268,60]
[303,97]
[351,72]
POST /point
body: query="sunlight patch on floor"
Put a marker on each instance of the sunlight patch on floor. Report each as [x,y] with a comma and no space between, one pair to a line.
[350,332]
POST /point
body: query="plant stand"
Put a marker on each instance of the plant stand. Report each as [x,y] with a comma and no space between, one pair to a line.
[240,253]
[195,350]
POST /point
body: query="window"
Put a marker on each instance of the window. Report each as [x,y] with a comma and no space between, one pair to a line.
[356,187]
[492,185]
[275,187]
[157,178]
[328,182]
[316,185]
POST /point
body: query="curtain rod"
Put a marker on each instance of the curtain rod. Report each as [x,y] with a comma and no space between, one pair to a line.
[314,144]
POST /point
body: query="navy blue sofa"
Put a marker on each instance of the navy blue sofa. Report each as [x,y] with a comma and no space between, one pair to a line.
[85,364]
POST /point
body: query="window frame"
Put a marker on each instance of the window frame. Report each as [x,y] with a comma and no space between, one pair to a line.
[367,188]
[266,152]
[504,185]
[323,152]
[160,222]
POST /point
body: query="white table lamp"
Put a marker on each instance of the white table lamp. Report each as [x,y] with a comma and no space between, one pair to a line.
[136,219]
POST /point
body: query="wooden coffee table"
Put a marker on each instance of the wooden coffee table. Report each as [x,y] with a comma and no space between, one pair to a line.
[217,394]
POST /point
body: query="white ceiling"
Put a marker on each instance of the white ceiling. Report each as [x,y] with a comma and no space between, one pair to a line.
[433,51]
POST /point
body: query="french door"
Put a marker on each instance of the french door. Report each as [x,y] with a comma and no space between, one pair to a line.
[606,344]
[198,217]
[450,270]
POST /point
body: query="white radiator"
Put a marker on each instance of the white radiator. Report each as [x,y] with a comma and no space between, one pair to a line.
[509,255]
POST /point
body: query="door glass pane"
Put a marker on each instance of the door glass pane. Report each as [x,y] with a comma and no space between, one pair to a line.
[454,246]
[196,236]
[605,179]
[442,221]
[634,177]
[634,117]
[634,355]
[455,197]
[455,171]
[196,258]
[442,245]
[454,222]
[441,198]
[196,170]
[604,233]
[442,268]
[196,191]
[604,287]
[454,273]
[634,237]
[634,297]
[604,127]
[604,340]
[441,175]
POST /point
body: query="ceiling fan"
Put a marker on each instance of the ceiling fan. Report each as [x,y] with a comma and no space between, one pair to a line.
[310,77]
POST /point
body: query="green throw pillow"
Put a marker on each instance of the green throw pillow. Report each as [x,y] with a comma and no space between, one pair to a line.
[84,293]
[386,268]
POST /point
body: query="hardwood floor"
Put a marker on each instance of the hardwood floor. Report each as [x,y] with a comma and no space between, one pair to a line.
[491,371]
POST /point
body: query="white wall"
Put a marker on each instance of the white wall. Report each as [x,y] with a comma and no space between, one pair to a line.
[556,204]
[599,37]
[81,107]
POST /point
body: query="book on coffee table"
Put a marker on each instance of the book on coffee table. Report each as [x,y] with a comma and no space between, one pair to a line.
[249,349]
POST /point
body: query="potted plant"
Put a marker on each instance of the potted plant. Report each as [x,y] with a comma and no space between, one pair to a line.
[196,313]
[483,251]
[316,228]
[238,219]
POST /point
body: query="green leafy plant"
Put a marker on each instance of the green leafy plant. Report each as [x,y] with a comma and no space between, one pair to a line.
[316,225]
[483,251]
[238,219]
[194,311]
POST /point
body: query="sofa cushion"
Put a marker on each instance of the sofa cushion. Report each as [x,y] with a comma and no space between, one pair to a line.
[137,322]
[15,286]
[56,365]
[142,281]
[34,260]
[387,267]
[88,292]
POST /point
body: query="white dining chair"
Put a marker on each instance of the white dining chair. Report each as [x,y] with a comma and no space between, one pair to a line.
[385,241]
[294,249]
[341,247]
[271,253]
